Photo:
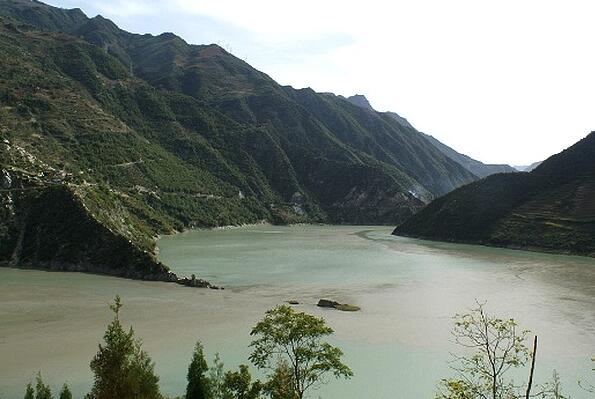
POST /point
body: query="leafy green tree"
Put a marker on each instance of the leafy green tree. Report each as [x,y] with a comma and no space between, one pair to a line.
[280,384]
[198,382]
[239,385]
[29,392]
[42,391]
[65,392]
[298,338]
[122,369]
[497,348]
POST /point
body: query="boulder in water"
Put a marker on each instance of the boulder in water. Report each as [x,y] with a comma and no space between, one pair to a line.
[326,303]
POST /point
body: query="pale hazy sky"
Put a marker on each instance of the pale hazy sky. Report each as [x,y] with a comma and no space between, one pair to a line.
[502,81]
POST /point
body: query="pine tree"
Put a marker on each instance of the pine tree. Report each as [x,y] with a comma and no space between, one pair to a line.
[65,392]
[198,383]
[29,392]
[42,391]
[122,369]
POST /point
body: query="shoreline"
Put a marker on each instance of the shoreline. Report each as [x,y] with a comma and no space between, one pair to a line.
[512,247]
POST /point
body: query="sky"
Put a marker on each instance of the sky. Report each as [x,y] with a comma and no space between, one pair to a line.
[508,81]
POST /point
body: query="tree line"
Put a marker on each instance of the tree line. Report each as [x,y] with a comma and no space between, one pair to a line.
[290,347]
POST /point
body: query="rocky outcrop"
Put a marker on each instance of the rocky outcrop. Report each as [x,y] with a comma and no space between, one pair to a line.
[326,303]
[196,282]
[361,101]
[54,228]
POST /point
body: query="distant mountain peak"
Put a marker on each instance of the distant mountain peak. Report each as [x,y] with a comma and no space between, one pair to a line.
[361,101]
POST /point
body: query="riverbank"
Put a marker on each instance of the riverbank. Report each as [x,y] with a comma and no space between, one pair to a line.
[489,244]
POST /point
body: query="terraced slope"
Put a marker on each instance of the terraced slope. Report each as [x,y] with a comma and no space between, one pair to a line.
[551,208]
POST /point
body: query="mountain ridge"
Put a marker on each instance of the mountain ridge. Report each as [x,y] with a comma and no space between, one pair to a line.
[478,168]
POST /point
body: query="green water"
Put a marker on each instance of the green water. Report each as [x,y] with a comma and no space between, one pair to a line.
[398,345]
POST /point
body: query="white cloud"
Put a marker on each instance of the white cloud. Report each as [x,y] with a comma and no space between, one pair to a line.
[507,81]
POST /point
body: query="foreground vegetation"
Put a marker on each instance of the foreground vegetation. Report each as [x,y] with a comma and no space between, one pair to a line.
[288,346]
[290,349]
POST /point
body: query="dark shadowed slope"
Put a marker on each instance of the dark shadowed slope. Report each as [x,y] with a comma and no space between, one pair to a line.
[551,208]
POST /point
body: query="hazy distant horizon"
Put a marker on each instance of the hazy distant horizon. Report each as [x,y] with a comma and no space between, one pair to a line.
[505,83]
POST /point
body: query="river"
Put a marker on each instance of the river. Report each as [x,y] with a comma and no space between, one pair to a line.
[398,345]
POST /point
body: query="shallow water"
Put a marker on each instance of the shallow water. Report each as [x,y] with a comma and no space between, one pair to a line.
[398,345]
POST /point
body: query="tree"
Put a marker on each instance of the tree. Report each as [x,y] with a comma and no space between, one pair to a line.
[42,391]
[122,369]
[298,338]
[239,385]
[280,384]
[217,378]
[29,392]
[65,392]
[198,383]
[498,346]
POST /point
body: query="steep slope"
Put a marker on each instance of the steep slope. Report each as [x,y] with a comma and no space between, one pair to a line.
[476,167]
[550,208]
[402,121]
[150,135]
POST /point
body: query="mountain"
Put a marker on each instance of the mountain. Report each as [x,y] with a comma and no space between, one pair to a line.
[476,167]
[550,208]
[110,138]
[402,121]
[527,168]
[360,101]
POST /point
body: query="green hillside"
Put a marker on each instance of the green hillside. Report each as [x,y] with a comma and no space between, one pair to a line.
[142,135]
[550,208]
